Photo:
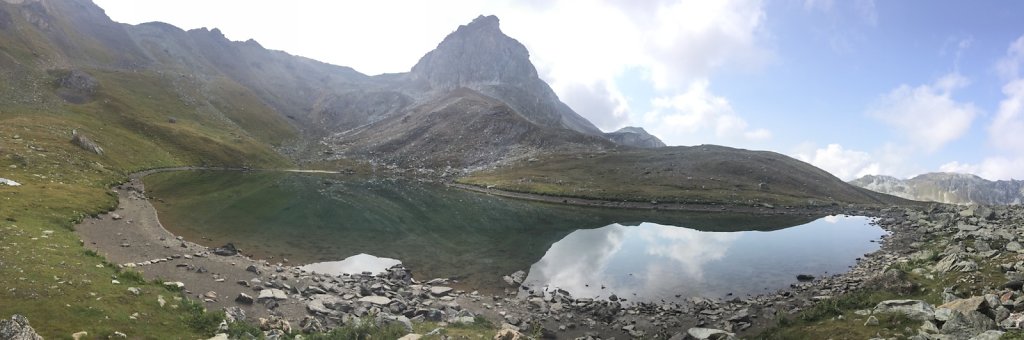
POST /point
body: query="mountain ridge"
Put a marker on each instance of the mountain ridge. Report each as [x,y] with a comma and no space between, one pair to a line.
[195,97]
[943,187]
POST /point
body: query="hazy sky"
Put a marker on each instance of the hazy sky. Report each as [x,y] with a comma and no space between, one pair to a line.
[853,86]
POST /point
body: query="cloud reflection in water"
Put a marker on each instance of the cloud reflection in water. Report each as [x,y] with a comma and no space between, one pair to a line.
[651,262]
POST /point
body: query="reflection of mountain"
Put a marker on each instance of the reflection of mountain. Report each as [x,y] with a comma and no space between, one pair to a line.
[434,230]
[653,262]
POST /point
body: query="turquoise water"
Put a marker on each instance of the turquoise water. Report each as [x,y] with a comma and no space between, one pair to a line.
[444,232]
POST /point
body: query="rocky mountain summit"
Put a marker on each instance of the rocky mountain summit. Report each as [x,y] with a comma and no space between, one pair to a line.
[635,136]
[953,188]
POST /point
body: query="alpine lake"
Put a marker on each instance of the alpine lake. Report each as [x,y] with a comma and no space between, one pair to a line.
[336,224]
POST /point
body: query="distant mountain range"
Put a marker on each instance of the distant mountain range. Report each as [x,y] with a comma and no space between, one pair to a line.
[155,95]
[954,188]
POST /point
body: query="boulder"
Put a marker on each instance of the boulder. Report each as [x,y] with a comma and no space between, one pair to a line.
[914,309]
[85,143]
[967,325]
[976,303]
[17,328]
[1014,246]
[7,182]
[709,334]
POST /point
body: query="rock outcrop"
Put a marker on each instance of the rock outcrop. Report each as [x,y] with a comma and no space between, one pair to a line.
[479,56]
[17,328]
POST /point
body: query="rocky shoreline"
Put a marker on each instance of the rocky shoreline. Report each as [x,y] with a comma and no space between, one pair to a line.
[283,298]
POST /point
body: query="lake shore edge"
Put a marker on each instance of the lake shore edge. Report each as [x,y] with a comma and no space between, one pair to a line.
[163,256]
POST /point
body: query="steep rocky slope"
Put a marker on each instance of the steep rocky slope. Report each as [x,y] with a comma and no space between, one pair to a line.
[951,188]
[475,102]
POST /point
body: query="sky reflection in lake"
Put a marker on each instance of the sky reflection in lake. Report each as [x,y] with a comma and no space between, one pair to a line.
[650,262]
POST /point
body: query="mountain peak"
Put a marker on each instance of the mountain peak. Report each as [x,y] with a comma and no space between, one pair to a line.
[635,136]
[476,53]
[484,22]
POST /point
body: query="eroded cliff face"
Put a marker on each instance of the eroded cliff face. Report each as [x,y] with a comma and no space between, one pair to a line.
[479,56]
[951,188]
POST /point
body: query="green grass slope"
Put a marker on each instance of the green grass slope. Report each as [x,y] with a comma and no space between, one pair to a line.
[699,174]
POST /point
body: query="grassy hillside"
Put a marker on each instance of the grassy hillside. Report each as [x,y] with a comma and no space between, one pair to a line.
[699,174]
[142,119]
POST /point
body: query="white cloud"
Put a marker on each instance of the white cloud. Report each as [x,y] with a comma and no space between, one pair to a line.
[1006,131]
[601,102]
[927,115]
[698,116]
[1009,66]
[991,168]
[843,163]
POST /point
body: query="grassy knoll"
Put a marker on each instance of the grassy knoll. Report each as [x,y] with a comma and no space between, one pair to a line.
[699,174]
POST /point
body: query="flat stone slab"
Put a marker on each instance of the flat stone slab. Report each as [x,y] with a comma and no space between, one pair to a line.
[275,294]
[377,300]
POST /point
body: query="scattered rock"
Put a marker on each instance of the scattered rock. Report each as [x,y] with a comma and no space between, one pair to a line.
[440,291]
[135,291]
[244,298]
[79,335]
[234,314]
[7,182]
[988,335]
[176,284]
[18,328]
[508,332]
[226,250]
[271,294]
[914,309]
[966,305]
[311,325]
[709,334]
[376,300]
[85,143]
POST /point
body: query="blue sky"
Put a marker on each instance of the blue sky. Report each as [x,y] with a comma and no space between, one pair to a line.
[855,87]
